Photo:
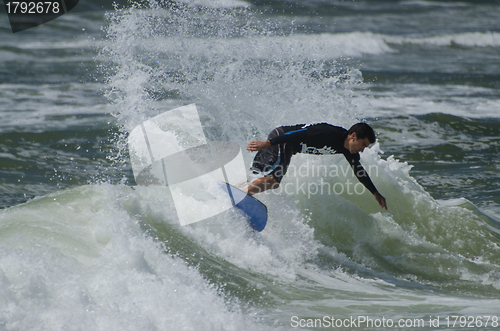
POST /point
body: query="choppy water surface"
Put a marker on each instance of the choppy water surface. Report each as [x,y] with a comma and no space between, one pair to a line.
[82,249]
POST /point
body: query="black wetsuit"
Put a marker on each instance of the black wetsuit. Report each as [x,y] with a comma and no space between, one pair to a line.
[319,139]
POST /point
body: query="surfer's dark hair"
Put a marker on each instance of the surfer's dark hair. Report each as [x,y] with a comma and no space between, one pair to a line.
[363,131]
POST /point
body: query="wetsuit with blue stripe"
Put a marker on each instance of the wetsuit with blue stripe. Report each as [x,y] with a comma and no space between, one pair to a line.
[319,139]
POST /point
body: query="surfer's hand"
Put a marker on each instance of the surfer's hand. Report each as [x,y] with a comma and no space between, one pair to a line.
[381,200]
[256,145]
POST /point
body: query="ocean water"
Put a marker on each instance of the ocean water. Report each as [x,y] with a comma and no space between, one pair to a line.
[83,248]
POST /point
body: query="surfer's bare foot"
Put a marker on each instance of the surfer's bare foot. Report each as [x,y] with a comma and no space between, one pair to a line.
[261,184]
[243,186]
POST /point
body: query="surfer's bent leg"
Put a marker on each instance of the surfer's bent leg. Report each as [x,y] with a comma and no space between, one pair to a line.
[272,164]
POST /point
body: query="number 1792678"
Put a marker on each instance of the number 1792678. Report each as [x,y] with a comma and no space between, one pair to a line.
[31,7]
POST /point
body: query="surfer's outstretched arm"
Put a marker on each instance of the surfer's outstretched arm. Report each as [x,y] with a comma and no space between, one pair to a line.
[364,178]
[381,200]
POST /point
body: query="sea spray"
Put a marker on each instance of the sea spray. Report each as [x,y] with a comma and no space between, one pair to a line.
[79,255]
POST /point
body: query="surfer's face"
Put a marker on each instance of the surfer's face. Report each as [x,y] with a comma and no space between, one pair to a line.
[355,145]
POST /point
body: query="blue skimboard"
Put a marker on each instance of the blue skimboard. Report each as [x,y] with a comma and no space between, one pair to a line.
[255,210]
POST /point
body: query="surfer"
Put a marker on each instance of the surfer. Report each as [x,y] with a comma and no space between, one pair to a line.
[275,153]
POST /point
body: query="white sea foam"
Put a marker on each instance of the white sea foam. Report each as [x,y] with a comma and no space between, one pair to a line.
[419,99]
[326,46]
[218,3]
[469,39]
[82,257]
[46,106]
[317,249]
[79,259]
